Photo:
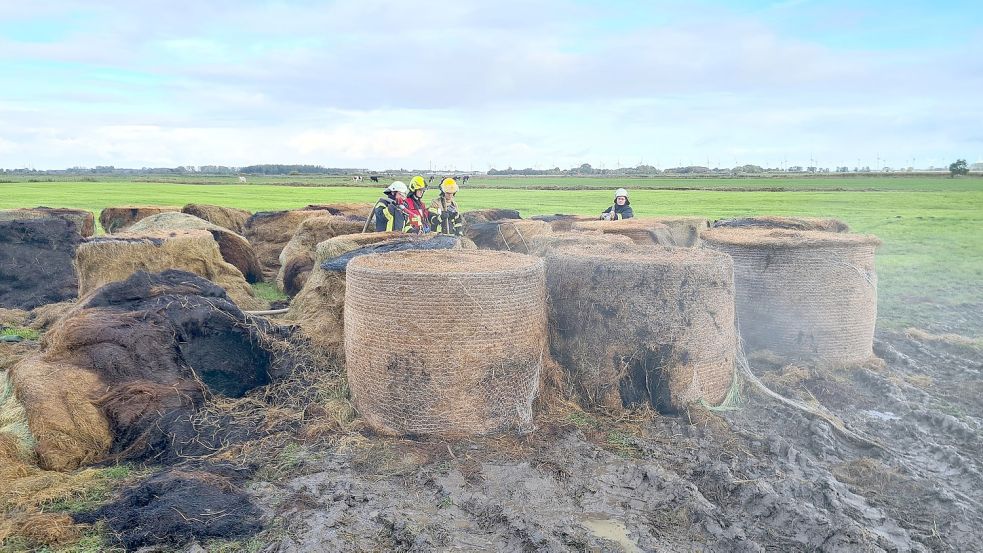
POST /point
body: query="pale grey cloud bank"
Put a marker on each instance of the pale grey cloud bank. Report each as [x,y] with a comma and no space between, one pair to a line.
[477,84]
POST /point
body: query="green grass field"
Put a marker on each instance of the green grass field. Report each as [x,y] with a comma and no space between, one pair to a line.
[930,266]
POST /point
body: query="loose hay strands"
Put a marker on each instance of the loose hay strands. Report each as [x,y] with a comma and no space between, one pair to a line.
[506,235]
[478,374]
[103,260]
[543,244]
[83,220]
[782,222]
[642,232]
[118,219]
[808,296]
[299,251]
[270,231]
[226,217]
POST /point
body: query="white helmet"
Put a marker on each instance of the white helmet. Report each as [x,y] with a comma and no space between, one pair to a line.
[399,186]
[620,192]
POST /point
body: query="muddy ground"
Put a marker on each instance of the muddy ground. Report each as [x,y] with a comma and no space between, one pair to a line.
[764,477]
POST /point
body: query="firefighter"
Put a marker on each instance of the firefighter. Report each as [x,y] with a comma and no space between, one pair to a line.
[621,208]
[417,213]
[444,215]
[390,211]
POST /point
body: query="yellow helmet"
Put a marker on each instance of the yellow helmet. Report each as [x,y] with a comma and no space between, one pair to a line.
[448,186]
[417,183]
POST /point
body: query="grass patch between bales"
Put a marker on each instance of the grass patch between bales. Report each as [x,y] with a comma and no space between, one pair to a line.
[25,333]
[268,292]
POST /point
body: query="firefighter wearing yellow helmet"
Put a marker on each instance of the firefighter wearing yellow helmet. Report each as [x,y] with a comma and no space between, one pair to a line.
[621,208]
[418,218]
[445,217]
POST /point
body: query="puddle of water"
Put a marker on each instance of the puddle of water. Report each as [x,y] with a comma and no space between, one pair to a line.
[611,530]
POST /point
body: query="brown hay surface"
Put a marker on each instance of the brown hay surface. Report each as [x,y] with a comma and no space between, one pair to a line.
[784,222]
[641,231]
[685,230]
[488,215]
[270,231]
[226,217]
[58,402]
[352,211]
[545,243]
[44,317]
[235,249]
[84,221]
[299,251]
[479,374]
[808,296]
[638,325]
[506,235]
[781,238]
[12,317]
[560,222]
[119,218]
[102,260]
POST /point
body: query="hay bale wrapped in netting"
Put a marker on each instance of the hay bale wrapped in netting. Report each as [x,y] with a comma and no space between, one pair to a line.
[352,211]
[685,231]
[807,296]
[36,262]
[545,243]
[561,222]
[124,372]
[639,230]
[638,325]
[507,235]
[235,249]
[479,374]
[226,217]
[782,222]
[269,232]
[102,260]
[85,222]
[297,257]
[320,306]
[118,219]
[488,215]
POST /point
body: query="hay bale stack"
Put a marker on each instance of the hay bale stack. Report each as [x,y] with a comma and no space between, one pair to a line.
[545,243]
[269,232]
[685,231]
[226,217]
[102,260]
[639,325]
[121,375]
[36,262]
[479,374]
[807,296]
[476,216]
[641,231]
[85,222]
[118,219]
[351,211]
[507,235]
[786,223]
[561,222]
[297,257]
[320,305]
[235,249]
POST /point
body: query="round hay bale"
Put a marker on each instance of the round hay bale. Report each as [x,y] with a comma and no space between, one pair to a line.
[545,243]
[807,296]
[488,215]
[319,307]
[298,254]
[118,219]
[561,222]
[85,222]
[269,232]
[787,223]
[641,231]
[479,374]
[638,325]
[685,231]
[36,262]
[352,211]
[226,217]
[507,235]
[235,249]
[102,260]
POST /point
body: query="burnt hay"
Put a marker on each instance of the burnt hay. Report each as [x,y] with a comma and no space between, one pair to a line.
[36,262]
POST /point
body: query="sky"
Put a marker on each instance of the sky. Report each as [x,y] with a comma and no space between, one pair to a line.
[472,85]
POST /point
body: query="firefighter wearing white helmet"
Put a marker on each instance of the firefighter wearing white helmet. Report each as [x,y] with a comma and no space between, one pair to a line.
[621,208]
[390,211]
[445,217]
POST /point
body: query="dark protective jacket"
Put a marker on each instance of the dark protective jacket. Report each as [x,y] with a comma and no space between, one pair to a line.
[620,212]
[418,217]
[389,216]
[445,218]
